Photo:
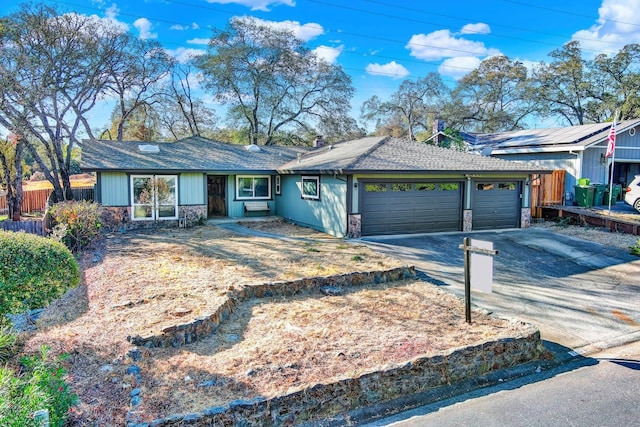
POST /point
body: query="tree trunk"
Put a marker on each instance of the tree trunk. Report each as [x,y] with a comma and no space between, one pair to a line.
[14,181]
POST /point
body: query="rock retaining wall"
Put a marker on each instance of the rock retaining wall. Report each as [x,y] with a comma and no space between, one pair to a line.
[321,401]
[118,218]
[204,326]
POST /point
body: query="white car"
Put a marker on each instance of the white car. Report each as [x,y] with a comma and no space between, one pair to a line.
[632,195]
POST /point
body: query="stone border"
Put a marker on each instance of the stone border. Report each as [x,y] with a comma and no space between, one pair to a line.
[320,401]
[204,326]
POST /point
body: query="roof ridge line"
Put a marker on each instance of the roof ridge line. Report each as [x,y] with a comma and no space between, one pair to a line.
[369,151]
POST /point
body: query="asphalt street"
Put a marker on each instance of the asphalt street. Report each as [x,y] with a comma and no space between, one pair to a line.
[580,294]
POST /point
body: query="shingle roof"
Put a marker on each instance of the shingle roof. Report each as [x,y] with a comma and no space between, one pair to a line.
[385,154]
[365,155]
[189,154]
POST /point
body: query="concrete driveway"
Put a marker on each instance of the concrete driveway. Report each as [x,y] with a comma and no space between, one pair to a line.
[580,294]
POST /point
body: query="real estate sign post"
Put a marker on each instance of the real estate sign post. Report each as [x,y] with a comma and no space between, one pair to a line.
[478,269]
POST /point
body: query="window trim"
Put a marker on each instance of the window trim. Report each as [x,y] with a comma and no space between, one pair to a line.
[278,186]
[315,178]
[155,207]
[253,184]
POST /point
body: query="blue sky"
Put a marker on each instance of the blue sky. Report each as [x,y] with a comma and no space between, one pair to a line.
[379,43]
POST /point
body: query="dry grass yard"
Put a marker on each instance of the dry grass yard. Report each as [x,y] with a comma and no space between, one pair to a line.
[140,282]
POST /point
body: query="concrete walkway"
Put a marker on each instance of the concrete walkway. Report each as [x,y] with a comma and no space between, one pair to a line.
[580,294]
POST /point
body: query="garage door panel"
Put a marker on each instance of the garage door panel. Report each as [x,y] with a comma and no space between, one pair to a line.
[421,208]
[496,205]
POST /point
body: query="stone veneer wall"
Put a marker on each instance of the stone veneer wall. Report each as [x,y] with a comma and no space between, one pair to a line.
[204,326]
[525,218]
[320,401]
[467,220]
[355,226]
[119,217]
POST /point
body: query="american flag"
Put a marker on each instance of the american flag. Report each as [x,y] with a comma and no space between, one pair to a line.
[612,139]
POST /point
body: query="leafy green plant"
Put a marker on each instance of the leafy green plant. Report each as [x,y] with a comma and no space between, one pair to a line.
[7,344]
[357,258]
[566,221]
[33,271]
[76,223]
[635,249]
[40,385]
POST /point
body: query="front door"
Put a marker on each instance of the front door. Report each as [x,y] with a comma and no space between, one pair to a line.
[216,192]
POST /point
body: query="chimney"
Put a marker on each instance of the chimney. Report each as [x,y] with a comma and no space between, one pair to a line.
[318,142]
[438,126]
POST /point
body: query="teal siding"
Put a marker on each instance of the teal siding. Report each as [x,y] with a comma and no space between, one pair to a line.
[114,188]
[329,214]
[236,207]
[192,189]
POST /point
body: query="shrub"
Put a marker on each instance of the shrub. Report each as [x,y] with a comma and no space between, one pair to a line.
[76,224]
[33,271]
[41,385]
[7,344]
[635,249]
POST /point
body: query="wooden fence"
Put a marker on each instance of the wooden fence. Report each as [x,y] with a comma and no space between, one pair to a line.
[36,200]
[546,190]
[30,226]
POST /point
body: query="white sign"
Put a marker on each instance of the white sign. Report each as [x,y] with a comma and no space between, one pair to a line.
[481,267]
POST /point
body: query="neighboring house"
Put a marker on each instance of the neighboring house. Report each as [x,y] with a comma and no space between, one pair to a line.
[369,186]
[579,150]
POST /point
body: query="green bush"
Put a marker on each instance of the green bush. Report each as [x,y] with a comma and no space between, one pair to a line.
[40,385]
[33,271]
[77,224]
[7,344]
[635,249]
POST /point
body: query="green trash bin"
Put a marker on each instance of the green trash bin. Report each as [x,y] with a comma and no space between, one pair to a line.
[584,195]
[617,189]
[598,195]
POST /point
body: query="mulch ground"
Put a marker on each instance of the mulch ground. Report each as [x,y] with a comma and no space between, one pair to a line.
[140,282]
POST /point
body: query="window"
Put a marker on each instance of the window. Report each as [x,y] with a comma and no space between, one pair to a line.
[510,186]
[278,188]
[154,197]
[484,186]
[452,186]
[311,187]
[425,186]
[400,187]
[375,188]
[253,187]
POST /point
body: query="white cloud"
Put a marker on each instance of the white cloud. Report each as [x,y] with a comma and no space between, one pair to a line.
[111,18]
[329,54]
[442,44]
[303,32]
[459,66]
[478,28]
[183,54]
[180,27]
[618,24]
[198,41]
[264,5]
[391,69]
[111,12]
[144,27]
